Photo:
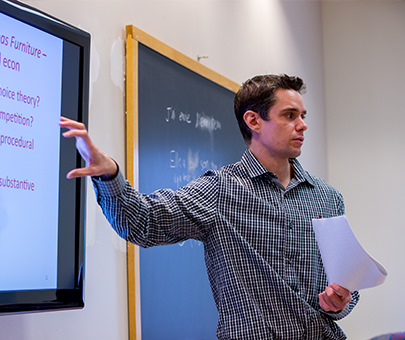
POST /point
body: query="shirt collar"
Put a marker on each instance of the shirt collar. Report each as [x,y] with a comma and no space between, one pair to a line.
[257,169]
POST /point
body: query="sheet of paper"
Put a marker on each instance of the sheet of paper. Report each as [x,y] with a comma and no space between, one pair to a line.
[346,262]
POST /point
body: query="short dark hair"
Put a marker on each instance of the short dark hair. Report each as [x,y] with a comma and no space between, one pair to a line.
[259,95]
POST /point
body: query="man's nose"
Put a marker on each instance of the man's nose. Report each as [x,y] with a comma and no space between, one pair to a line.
[301,125]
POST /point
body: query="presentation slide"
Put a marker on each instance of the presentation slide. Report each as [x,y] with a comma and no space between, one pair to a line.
[30,106]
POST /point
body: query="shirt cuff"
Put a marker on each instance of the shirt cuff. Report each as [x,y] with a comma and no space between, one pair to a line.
[112,187]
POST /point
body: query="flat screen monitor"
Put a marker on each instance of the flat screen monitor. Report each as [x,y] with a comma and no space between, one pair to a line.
[44,74]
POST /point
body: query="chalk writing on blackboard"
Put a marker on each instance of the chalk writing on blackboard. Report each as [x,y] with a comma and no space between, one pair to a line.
[202,120]
[172,115]
[188,167]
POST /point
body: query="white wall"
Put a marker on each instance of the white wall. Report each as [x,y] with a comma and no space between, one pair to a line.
[365,73]
[242,38]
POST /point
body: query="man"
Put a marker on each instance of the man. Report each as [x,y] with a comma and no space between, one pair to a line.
[254,218]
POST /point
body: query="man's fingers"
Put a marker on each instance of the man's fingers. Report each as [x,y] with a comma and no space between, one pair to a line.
[71,124]
[81,172]
[98,163]
[327,304]
[75,133]
[334,298]
[322,303]
[343,293]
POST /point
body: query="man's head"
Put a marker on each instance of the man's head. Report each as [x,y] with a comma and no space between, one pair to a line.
[258,94]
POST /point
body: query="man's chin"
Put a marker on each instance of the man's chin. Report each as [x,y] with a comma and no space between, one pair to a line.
[295,154]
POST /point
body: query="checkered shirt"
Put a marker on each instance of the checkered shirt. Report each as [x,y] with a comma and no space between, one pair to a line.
[261,254]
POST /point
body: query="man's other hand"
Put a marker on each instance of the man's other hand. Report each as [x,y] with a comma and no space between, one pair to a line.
[334,298]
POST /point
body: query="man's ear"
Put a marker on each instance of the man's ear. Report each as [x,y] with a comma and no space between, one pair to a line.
[252,120]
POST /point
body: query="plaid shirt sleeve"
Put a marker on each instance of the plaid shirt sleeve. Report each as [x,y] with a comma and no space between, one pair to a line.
[262,258]
[163,217]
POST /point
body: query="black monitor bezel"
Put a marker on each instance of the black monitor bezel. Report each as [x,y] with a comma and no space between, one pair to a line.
[72,193]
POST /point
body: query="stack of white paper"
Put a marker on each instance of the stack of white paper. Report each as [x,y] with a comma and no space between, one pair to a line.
[346,262]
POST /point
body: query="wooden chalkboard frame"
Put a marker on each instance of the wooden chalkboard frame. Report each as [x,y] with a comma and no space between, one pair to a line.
[134,36]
